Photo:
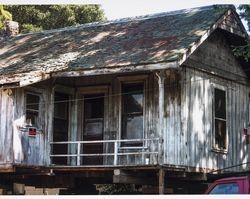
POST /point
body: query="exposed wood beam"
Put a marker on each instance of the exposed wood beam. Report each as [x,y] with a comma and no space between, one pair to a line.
[115,70]
[129,177]
[161,181]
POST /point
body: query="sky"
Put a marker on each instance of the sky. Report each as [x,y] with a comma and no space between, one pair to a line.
[115,9]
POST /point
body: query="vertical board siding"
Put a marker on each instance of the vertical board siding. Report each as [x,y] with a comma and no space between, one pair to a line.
[31,150]
[172,132]
[197,122]
[188,126]
[6,127]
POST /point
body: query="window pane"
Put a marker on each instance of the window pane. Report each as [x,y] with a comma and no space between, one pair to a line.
[93,106]
[32,102]
[220,133]
[93,128]
[220,103]
[132,111]
[32,109]
[133,127]
[32,118]
[229,188]
[132,98]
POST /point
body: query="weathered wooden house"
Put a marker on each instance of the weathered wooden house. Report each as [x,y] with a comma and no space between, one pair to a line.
[141,100]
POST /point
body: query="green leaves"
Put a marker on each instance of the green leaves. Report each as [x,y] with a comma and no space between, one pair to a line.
[4,15]
[33,18]
[243,51]
[245,13]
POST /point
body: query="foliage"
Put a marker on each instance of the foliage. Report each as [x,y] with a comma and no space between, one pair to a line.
[244,51]
[111,189]
[33,18]
[245,13]
[4,15]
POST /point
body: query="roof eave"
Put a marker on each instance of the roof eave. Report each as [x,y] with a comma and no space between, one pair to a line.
[192,48]
[116,70]
[26,79]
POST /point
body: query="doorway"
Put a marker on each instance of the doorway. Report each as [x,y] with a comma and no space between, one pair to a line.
[93,125]
[60,127]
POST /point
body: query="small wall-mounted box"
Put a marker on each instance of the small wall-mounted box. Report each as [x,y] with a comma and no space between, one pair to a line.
[32,131]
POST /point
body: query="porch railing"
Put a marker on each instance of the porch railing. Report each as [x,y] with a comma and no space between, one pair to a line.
[114,149]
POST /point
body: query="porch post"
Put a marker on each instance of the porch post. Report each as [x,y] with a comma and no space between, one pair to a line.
[161,181]
[161,79]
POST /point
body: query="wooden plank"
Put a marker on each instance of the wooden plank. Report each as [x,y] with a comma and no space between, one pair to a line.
[161,181]
[6,132]
[114,70]
[161,79]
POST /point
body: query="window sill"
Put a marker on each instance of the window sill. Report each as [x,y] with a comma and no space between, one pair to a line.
[218,150]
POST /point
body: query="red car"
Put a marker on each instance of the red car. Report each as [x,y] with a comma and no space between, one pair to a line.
[233,185]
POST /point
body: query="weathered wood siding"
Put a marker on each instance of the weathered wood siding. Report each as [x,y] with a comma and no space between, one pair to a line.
[6,126]
[197,122]
[32,150]
[189,127]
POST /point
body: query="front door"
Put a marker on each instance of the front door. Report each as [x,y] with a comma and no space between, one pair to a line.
[93,109]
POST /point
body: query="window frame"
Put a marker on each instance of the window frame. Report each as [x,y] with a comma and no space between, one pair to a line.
[133,80]
[215,148]
[93,90]
[39,94]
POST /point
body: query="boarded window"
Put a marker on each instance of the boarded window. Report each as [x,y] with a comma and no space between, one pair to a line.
[132,112]
[220,123]
[32,109]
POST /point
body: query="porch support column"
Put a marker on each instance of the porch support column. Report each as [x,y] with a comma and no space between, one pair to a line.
[161,181]
[161,80]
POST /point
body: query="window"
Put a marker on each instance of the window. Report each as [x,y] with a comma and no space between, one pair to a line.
[228,188]
[132,112]
[93,114]
[220,122]
[32,109]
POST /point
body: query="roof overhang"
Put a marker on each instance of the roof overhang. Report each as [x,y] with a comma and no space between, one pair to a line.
[25,79]
[220,24]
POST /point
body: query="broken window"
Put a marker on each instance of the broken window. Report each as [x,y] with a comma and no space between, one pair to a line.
[220,122]
[32,109]
[132,112]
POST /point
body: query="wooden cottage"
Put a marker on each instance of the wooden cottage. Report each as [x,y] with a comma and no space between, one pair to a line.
[140,100]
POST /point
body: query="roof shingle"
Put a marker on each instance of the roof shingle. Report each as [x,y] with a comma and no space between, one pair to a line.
[151,39]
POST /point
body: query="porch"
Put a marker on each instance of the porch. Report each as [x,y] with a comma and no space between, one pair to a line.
[115,153]
[107,121]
